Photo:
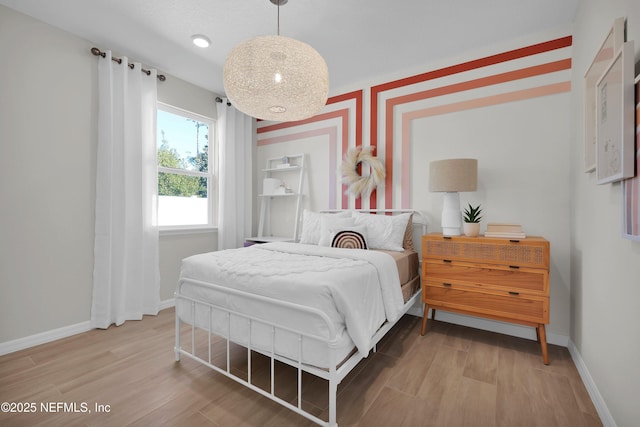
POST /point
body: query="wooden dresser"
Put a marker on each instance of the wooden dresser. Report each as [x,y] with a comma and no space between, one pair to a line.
[501,279]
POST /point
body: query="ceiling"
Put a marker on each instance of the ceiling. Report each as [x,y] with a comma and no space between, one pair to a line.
[359,39]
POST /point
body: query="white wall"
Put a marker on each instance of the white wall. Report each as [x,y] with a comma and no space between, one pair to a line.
[605,285]
[47,177]
[48,137]
[522,152]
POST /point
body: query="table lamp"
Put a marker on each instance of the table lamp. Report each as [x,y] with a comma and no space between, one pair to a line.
[452,176]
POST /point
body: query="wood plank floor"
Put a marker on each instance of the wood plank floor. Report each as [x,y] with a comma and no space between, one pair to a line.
[453,376]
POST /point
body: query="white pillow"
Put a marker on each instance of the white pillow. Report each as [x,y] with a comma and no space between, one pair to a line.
[311,225]
[385,232]
[330,224]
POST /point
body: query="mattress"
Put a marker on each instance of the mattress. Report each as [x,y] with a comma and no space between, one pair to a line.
[358,290]
[407,264]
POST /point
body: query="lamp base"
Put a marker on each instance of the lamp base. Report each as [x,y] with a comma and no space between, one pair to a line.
[451,215]
[451,231]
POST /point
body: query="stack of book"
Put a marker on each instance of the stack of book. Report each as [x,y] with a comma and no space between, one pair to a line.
[506,231]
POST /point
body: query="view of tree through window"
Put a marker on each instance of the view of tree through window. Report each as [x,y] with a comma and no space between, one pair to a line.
[183,168]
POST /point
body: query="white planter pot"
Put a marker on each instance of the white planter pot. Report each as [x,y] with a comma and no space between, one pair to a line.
[471,229]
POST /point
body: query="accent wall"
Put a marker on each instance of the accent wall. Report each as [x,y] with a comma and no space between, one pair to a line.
[507,106]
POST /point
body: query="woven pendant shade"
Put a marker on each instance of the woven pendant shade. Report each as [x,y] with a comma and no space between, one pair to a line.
[276,78]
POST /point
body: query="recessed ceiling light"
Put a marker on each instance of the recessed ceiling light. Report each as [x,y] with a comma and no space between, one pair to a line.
[200,40]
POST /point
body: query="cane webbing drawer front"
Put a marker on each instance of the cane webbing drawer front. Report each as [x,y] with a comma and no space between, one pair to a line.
[533,281]
[495,304]
[500,279]
[530,252]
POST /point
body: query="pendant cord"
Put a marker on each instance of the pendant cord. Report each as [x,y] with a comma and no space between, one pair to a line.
[278,18]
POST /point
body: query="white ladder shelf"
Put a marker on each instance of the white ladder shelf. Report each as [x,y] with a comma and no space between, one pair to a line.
[275,168]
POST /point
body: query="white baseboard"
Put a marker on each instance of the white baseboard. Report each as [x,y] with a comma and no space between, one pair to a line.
[416,310]
[56,334]
[592,389]
[167,303]
[492,326]
[44,337]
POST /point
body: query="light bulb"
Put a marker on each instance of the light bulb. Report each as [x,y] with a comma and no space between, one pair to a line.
[200,40]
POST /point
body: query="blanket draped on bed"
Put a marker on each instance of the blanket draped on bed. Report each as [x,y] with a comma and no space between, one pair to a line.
[357,289]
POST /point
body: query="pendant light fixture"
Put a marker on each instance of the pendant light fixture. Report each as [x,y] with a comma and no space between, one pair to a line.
[276,78]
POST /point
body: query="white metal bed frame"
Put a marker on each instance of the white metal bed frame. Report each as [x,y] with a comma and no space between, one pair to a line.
[334,374]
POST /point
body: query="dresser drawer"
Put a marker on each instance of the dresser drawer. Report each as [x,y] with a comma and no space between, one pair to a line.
[495,304]
[529,252]
[520,279]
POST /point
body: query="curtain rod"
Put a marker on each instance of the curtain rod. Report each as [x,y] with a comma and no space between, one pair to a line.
[98,52]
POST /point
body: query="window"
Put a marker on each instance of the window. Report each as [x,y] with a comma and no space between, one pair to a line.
[186,148]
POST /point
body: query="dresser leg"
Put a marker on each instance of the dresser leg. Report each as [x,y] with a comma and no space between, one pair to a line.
[542,337]
[424,319]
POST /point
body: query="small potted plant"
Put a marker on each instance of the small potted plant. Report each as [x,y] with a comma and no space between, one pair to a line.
[472,219]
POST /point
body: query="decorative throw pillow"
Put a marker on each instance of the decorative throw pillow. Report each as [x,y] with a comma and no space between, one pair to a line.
[385,232]
[350,238]
[330,223]
[311,225]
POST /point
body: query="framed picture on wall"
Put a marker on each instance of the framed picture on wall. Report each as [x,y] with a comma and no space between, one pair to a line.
[631,186]
[615,133]
[611,44]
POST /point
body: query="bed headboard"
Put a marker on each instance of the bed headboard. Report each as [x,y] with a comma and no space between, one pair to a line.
[419,221]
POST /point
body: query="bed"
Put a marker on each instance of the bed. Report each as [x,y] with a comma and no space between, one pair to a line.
[320,305]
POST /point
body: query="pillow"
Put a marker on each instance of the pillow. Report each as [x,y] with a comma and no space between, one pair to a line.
[408,235]
[350,238]
[311,225]
[385,232]
[328,224]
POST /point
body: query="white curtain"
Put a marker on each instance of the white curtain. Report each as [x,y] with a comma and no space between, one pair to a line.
[235,135]
[126,277]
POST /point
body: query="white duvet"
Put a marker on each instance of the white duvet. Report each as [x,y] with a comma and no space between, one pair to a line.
[357,289]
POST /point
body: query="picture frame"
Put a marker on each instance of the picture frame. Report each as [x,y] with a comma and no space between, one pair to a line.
[631,186]
[615,139]
[611,44]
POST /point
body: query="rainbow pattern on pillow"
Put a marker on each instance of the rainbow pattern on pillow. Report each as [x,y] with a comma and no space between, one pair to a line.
[348,239]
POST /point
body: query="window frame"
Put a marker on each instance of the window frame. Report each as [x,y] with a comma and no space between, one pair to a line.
[211,174]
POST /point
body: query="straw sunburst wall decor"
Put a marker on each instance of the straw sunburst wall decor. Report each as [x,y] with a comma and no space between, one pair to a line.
[361,184]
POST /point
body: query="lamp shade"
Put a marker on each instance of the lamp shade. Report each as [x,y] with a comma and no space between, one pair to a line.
[453,175]
[276,78]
